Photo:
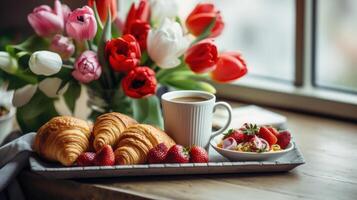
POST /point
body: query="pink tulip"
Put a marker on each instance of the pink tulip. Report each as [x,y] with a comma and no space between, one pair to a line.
[63,46]
[81,24]
[65,11]
[86,67]
[47,21]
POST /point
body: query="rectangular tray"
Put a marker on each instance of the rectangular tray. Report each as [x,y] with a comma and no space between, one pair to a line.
[217,165]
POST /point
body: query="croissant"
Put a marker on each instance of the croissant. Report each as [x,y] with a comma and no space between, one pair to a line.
[62,139]
[136,141]
[108,127]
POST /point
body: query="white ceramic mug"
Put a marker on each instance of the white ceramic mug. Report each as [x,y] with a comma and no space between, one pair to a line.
[190,123]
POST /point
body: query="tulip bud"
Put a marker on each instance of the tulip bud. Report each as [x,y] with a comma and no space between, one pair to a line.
[66,10]
[166,44]
[23,95]
[47,21]
[202,56]
[86,67]
[201,17]
[81,24]
[139,12]
[63,46]
[7,63]
[103,6]
[50,86]
[230,66]
[45,63]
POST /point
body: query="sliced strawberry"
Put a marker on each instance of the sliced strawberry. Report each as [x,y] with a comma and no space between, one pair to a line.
[273,130]
[235,134]
[284,138]
[105,156]
[86,159]
[158,154]
[267,135]
[198,155]
[177,154]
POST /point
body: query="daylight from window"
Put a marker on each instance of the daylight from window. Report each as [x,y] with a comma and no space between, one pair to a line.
[336,51]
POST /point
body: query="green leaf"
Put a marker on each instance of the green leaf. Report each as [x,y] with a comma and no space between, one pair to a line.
[148,111]
[72,94]
[32,44]
[187,74]
[20,78]
[106,35]
[206,32]
[99,25]
[163,73]
[190,84]
[37,112]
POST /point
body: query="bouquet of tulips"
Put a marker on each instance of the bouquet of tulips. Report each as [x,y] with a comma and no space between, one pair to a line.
[120,62]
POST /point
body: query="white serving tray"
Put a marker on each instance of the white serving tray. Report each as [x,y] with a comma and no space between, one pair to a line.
[217,165]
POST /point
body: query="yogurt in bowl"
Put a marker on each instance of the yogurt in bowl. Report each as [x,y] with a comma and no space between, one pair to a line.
[253,143]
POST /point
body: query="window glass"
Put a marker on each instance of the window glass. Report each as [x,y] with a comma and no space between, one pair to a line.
[336,49]
[264,32]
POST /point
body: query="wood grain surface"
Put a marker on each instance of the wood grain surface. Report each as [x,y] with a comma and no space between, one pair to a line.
[329,147]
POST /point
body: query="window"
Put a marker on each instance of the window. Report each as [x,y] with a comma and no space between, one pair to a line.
[317,44]
[263,31]
[336,48]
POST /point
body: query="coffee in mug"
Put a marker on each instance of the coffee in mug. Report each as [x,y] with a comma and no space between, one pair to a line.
[188,116]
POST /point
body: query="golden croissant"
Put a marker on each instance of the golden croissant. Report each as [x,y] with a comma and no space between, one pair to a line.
[108,128]
[63,139]
[136,141]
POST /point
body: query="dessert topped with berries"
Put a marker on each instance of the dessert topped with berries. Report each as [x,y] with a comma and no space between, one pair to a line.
[252,138]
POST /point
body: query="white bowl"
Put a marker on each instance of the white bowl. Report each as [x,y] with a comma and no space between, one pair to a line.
[248,156]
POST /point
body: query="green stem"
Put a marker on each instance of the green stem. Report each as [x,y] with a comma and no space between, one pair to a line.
[88,44]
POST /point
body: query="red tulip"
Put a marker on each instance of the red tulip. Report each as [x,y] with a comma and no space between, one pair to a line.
[139,30]
[140,82]
[141,12]
[123,53]
[230,66]
[202,57]
[201,17]
[103,6]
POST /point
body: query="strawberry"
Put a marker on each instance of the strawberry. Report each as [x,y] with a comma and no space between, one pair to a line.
[284,138]
[177,154]
[273,130]
[249,131]
[267,135]
[235,134]
[158,154]
[198,155]
[86,159]
[105,156]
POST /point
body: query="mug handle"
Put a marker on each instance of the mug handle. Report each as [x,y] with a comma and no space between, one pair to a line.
[229,109]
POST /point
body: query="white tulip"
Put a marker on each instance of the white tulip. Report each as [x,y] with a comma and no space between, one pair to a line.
[161,9]
[166,44]
[23,95]
[7,63]
[45,63]
[50,86]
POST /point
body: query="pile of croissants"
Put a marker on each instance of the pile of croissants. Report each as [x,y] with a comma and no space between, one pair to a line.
[64,138]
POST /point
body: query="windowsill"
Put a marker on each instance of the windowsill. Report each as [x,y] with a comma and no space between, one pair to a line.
[285,95]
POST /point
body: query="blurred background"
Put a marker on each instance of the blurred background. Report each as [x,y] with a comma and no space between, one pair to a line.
[263,30]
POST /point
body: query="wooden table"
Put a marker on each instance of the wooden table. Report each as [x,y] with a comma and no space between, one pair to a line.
[329,147]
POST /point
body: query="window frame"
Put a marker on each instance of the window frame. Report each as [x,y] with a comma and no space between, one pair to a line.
[304,94]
